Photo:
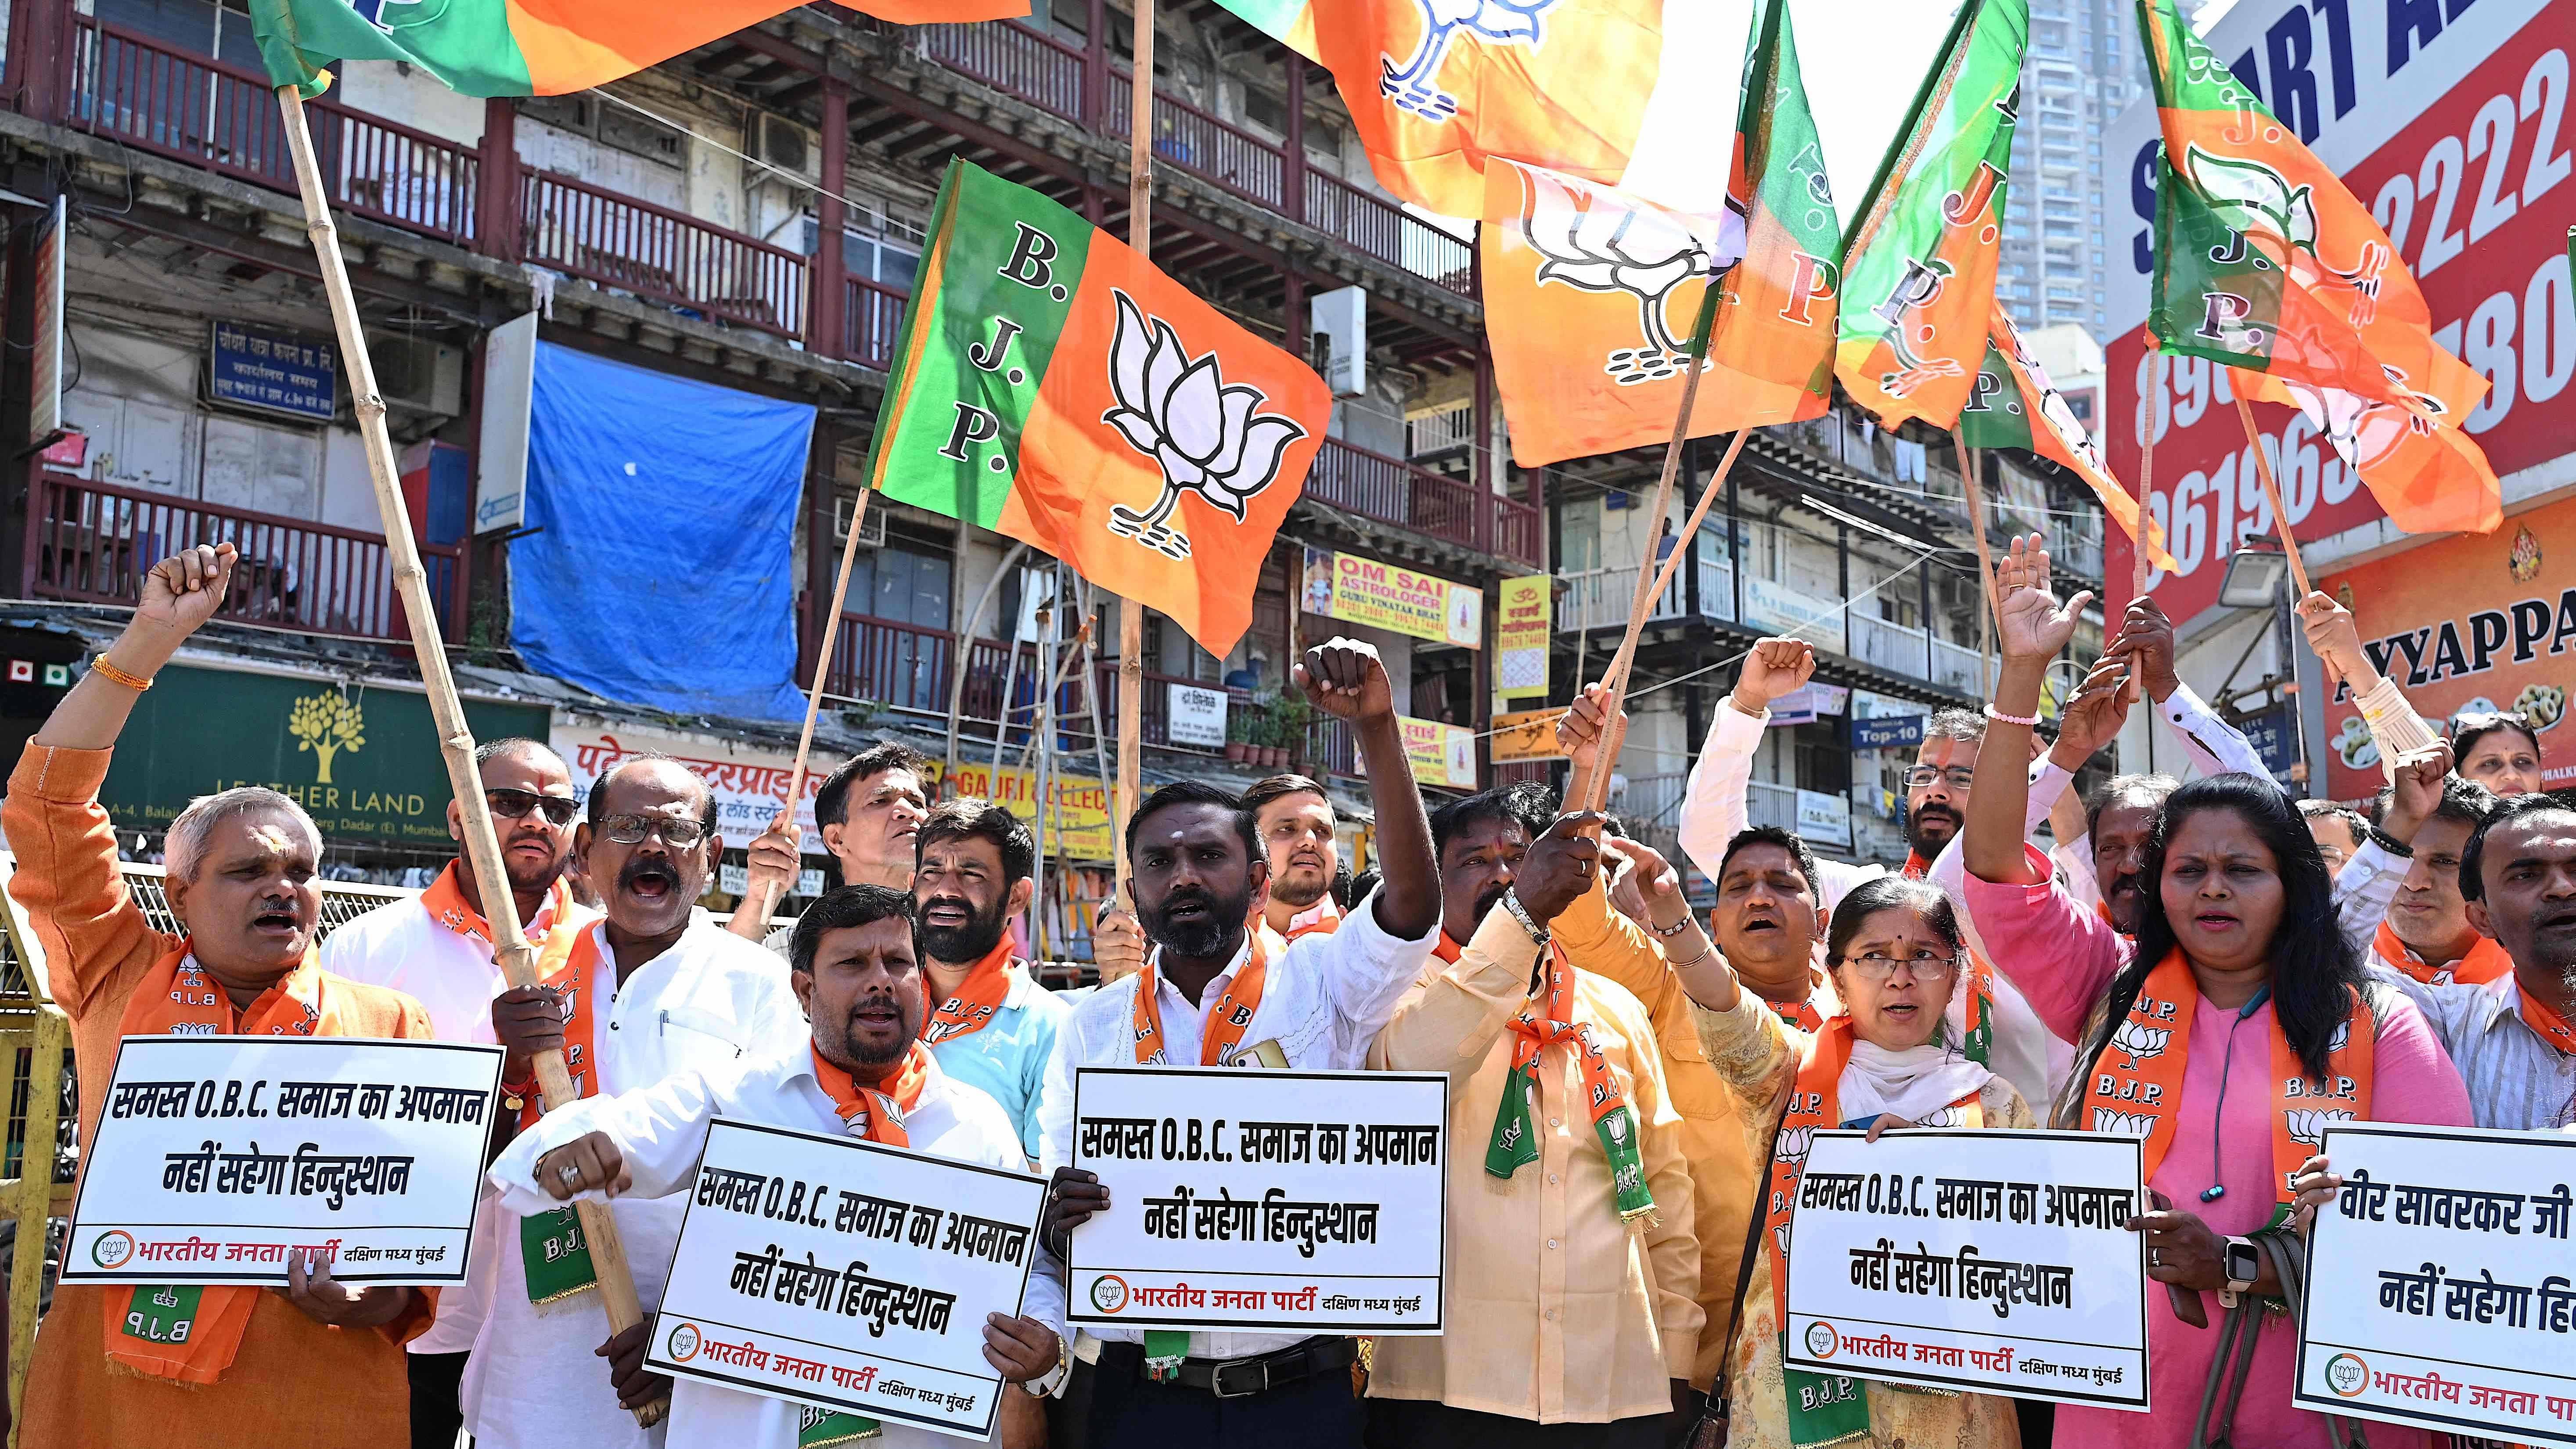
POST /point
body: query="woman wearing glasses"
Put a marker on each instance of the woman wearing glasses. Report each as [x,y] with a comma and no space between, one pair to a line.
[1885,1061]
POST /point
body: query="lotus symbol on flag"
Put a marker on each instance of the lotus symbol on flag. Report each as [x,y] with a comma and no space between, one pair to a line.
[1201,430]
[1413,86]
[2124,1124]
[2140,1042]
[2309,1126]
[1598,243]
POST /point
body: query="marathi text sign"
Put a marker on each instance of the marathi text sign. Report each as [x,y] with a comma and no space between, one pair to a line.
[2021,1280]
[1307,1202]
[1521,638]
[749,784]
[1440,754]
[2430,1295]
[1527,735]
[1081,820]
[868,1298]
[218,1155]
[1384,596]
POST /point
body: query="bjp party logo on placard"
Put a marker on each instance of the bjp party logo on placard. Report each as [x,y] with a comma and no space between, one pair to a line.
[112,1249]
[326,724]
[1822,1341]
[2347,1374]
[1109,1293]
[683,1343]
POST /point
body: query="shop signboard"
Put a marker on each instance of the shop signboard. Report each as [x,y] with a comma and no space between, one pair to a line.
[1381,595]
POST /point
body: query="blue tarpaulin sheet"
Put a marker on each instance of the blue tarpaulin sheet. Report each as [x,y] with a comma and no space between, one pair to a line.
[660,569]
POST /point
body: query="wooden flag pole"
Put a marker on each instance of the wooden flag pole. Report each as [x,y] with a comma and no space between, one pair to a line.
[761,900]
[517,961]
[2272,492]
[2139,567]
[1596,791]
[1991,619]
[1131,614]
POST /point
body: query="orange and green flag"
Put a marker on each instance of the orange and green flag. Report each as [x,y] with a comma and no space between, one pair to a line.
[1591,294]
[1290,22]
[1919,262]
[2266,263]
[2015,405]
[530,47]
[1051,385]
[1609,91]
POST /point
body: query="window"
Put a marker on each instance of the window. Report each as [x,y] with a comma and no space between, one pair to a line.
[872,259]
[189,25]
[903,585]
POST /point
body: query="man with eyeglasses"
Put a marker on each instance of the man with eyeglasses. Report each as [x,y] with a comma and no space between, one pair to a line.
[868,812]
[2338,830]
[651,990]
[437,948]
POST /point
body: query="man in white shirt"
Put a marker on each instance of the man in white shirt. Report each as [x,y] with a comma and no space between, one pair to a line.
[864,1071]
[1293,820]
[867,812]
[437,948]
[1214,994]
[652,991]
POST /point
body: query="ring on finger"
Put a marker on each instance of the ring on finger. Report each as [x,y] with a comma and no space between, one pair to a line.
[2155,1257]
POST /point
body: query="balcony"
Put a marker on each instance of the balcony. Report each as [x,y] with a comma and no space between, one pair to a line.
[1376,486]
[1601,598]
[909,668]
[93,543]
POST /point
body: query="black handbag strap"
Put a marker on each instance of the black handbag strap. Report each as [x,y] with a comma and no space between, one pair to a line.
[1714,1414]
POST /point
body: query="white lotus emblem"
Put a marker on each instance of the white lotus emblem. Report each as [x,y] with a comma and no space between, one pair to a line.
[1946,1117]
[1599,241]
[2142,1043]
[1793,1143]
[2123,1124]
[1202,431]
[2342,1036]
[1780,1235]
[1412,87]
[2309,1125]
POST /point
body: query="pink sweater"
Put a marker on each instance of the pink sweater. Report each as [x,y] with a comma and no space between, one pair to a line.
[2062,956]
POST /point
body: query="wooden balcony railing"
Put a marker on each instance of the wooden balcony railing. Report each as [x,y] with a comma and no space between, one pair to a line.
[94,543]
[224,118]
[1392,491]
[907,667]
[653,251]
[871,320]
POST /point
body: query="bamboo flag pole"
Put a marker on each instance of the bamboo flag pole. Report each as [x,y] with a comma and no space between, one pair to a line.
[517,961]
[1131,614]
[1596,791]
[1989,619]
[761,900]
[2139,567]
[2272,493]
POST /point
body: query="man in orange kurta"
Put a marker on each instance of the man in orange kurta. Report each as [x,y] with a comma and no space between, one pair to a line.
[319,1366]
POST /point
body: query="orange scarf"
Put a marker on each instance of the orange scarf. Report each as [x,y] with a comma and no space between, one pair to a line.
[1545,1020]
[580,962]
[2137,1080]
[979,996]
[1815,1100]
[176,996]
[1225,1025]
[446,904]
[1447,949]
[1322,918]
[877,1113]
[2543,1018]
[2485,962]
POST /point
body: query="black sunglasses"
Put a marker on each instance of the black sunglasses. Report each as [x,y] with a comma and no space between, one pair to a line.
[515,804]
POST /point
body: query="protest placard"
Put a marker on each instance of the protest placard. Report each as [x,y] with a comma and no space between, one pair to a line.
[1306,1202]
[847,1276]
[2431,1299]
[2021,1278]
[217,1155]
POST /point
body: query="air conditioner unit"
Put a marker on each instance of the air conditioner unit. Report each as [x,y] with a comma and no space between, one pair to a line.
[786,145]
[419,375]
[871,532]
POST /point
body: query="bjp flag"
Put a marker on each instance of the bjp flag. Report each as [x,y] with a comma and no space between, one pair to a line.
[2267,263]
[2016,405]
[1051,385]
[1591,293]
[1614,92]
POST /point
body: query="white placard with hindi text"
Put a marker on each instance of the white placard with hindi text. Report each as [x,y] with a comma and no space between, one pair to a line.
[846,1275]
[216,1156]
[1249,1198]
[2441,1288]
[1982,1262]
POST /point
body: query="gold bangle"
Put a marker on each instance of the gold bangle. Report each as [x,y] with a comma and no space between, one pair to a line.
[115,675]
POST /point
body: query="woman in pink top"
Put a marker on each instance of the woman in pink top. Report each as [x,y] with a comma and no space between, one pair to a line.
[2237,985]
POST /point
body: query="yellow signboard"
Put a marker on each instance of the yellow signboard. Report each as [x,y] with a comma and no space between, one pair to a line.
[1081,825]
[1528,735]
[1520,639]
[1440,754]
[1383,596]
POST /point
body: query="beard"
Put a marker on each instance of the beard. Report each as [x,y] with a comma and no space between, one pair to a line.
[525,876]
[1915,820]
[1490,897]
[1204,935]
[838,1042]
[961,945]
[1300,894]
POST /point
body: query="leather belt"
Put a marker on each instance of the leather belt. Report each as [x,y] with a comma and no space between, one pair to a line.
[1241,1378]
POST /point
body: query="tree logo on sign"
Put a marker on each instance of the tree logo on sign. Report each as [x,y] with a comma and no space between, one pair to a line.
[326,724]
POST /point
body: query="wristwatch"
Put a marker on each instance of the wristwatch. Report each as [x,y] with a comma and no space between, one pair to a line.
[2243,1263]
[1046,1385]
[1520,913]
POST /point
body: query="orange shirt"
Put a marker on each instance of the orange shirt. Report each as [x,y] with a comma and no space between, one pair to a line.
[295,1384]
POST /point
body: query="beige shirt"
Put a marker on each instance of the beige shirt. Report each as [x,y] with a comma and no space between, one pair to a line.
[1556,1312]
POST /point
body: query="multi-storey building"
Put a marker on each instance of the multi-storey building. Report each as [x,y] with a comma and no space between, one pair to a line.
[2081,69]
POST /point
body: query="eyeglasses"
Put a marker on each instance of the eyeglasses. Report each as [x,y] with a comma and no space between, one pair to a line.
[2334,854]
[1960,776]
[677,833]
[515,804]
[1876,967]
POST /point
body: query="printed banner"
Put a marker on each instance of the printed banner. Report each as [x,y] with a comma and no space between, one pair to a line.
[2024,1280]
[869,1299]
[1364,591]
[1195,716]
[1520,639]
[1440,754]
[2430,1295]
[749,784]
[1081,820]
[217,1156]
[1528,735]
[1305,1202]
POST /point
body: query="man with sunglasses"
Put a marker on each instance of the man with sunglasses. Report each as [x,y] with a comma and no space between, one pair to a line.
[649,991]
[437,948]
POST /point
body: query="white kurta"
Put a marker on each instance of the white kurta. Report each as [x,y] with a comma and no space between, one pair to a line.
[401,947]
[711,1002]
[662,1131]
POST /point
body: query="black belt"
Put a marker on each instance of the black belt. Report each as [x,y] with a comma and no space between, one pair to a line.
[1241,1378]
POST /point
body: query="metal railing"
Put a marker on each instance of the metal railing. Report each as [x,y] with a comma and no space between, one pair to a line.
[94,543]
[1444,430]
[1891,646]
[1768,804]
[1954,667]
[653,251]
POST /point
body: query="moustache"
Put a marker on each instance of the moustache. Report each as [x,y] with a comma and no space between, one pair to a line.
[1925,812]
[1488,898]
[648,867]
